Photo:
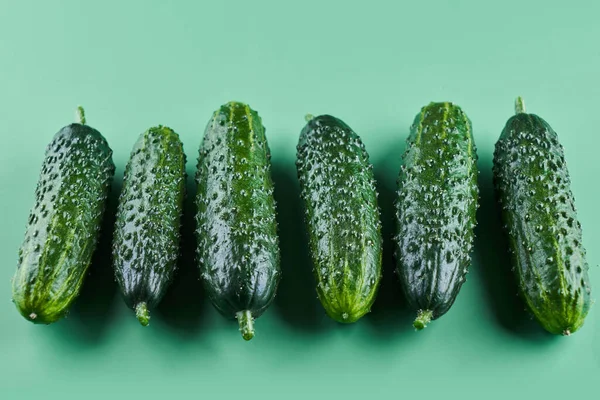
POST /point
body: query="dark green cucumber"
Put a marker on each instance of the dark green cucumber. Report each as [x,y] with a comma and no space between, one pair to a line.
[538,211]
[147,231]
[342,217]
[435,209]
[64,223]
[238,246]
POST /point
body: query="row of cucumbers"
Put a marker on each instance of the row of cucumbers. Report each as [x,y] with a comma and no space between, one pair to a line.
[237,242]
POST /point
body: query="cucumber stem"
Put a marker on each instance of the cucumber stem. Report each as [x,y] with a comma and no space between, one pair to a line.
[80,115]
[308,117]
[566,332]
[519,105]
[246,324]
[423,318]
[142,314]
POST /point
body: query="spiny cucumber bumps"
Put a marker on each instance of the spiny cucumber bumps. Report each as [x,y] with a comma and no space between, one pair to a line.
[435,209]
[147,229]
[342,217]
[238,246]
[64,223]
[538,210]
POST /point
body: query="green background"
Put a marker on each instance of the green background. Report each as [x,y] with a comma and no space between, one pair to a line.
[134,64]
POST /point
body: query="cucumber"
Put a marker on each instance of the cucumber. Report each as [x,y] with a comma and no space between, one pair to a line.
[64,223]
[538,211]
[238,246]
[147,229]
[435,210]
[344,228]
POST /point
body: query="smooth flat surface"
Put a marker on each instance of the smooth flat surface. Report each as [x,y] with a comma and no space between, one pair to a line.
[134,64]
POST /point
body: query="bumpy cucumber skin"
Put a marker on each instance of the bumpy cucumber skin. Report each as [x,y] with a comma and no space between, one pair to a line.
[435,209]
[344,228]
[238,246]
[538,211]
[147,229]
[64,223]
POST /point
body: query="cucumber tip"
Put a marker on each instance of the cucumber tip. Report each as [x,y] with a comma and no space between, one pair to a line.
[246,322]
[142,313]
[423,318]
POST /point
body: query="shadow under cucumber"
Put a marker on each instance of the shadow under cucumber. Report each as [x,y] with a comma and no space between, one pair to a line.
[390,313]
[296,301]
[182,307]
[91,314]
[493,264]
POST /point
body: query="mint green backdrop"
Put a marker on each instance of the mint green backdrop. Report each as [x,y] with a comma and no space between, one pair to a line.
[134,64]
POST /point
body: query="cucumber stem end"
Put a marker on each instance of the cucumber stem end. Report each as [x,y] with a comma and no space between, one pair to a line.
[519,105]
[246,322]
[423,318]
[80,115]
[142,313]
